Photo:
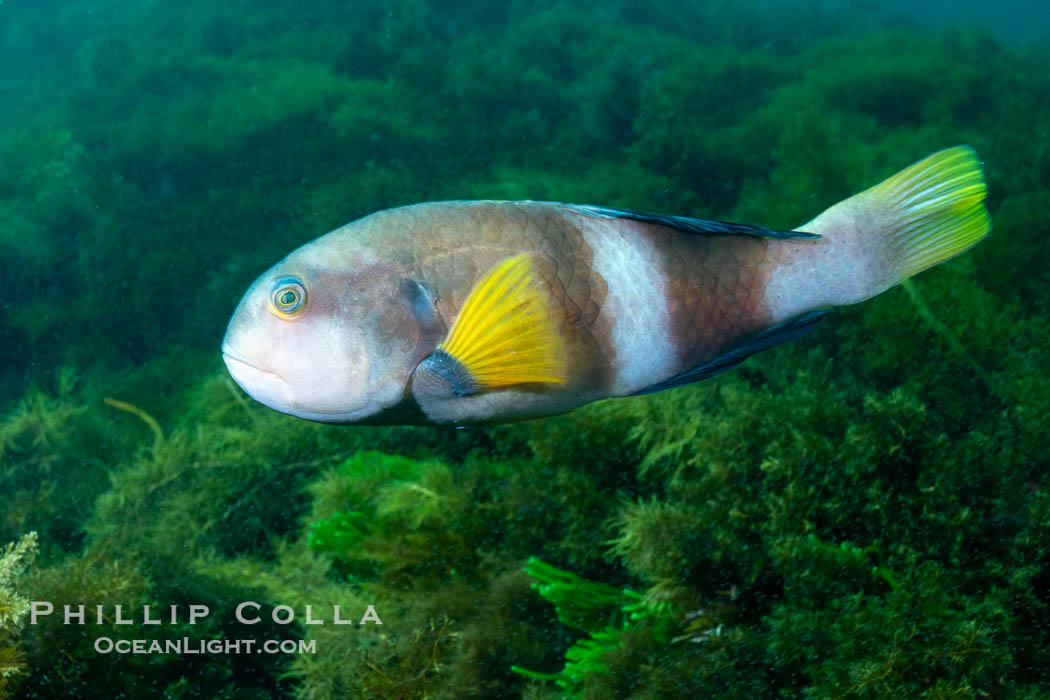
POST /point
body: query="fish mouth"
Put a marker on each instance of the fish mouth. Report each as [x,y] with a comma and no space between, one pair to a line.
[230,356]
[271,389]
[263,385]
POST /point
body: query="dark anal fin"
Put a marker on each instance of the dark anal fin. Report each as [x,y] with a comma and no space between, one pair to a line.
[781,333]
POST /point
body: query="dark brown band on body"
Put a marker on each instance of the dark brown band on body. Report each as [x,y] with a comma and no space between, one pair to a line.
[715,290]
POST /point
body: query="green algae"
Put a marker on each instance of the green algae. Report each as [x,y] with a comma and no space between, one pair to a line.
[864,513]
[15,558]
[589,607]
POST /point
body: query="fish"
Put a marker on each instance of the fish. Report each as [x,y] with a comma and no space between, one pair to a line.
[481,312]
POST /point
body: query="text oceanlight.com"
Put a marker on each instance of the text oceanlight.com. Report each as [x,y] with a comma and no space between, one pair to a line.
[106,645]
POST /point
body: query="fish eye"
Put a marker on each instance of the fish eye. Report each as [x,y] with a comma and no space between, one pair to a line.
[287,297]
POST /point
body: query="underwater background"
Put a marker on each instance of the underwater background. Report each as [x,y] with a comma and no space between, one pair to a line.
[862,513]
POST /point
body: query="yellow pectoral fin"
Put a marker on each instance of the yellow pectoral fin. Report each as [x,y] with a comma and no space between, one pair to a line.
[504,335]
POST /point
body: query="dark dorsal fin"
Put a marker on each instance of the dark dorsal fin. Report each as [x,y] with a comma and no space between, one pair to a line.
[775,335]
[705,227]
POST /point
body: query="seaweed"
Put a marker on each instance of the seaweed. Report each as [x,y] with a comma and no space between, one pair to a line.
[587,606]
[17,557]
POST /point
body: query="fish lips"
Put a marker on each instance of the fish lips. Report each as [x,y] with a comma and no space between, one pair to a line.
[272,390]
[266,387]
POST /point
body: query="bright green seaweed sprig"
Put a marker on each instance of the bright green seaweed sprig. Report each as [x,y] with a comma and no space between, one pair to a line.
[589,606]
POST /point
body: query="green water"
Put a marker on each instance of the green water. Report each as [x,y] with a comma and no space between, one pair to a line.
[862,513]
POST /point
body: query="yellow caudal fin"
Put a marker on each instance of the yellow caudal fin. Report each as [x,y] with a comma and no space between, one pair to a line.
[504,334]
[934,209]
[925,214]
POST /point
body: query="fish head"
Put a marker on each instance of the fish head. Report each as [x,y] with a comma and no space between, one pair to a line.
[330,340]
